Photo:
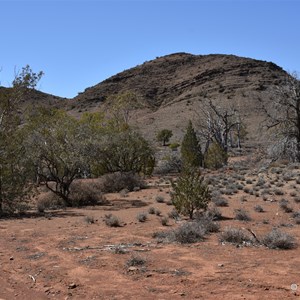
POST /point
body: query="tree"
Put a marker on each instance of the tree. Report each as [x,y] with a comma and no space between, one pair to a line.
[56,150]
[283,120]
[222,125]
[14,187]
[191,154]
[190,193]
[164,136]
[125,151]
[215,157]
[120,108]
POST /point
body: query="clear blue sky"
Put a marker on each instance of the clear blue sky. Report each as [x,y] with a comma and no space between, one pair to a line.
[80,43]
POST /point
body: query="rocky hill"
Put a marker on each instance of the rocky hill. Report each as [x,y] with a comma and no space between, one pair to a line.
[173,88]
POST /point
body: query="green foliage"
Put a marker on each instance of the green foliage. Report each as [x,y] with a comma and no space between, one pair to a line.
[215,157]
[14,188]
[164,136]
[56,149]
[125,151]
[119,110]
[190,193]
[190,148]
[174,146]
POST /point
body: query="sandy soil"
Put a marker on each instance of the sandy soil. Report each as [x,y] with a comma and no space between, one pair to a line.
[61,256]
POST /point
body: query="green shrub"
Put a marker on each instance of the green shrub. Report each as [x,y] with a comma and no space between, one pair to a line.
[174,146]
[191,154]
[164,136]
[190,193]
[215,157]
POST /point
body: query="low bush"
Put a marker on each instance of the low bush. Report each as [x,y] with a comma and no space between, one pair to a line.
[242,215]
[284,205]
[220,201]
[164,221]
[173,214]
[136,260]
[208,223]
[258,208]
[142,216]
[190,232]
[214,213]
[112,220]
[277,239]
[159,199]
[47,201]
[86,192]
[115,182]
[89,219]
[235,236]
[151,210]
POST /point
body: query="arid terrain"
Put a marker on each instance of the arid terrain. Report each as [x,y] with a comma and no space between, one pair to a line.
[74,254]
[79,253]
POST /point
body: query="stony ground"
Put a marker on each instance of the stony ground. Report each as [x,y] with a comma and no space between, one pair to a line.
[73,254]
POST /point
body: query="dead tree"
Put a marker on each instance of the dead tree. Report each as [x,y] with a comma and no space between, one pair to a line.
[219,125]
[283,120]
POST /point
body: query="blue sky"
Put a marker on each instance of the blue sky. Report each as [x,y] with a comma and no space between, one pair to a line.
[80,43]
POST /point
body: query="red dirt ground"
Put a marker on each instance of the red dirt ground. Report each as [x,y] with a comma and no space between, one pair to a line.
[61,256]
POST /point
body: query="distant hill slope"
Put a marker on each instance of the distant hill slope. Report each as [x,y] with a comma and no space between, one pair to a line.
[173,87]
[36,98]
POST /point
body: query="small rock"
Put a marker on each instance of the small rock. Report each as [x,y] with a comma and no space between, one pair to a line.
[11,258]
[132,269]
[72,285]
[220,265]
